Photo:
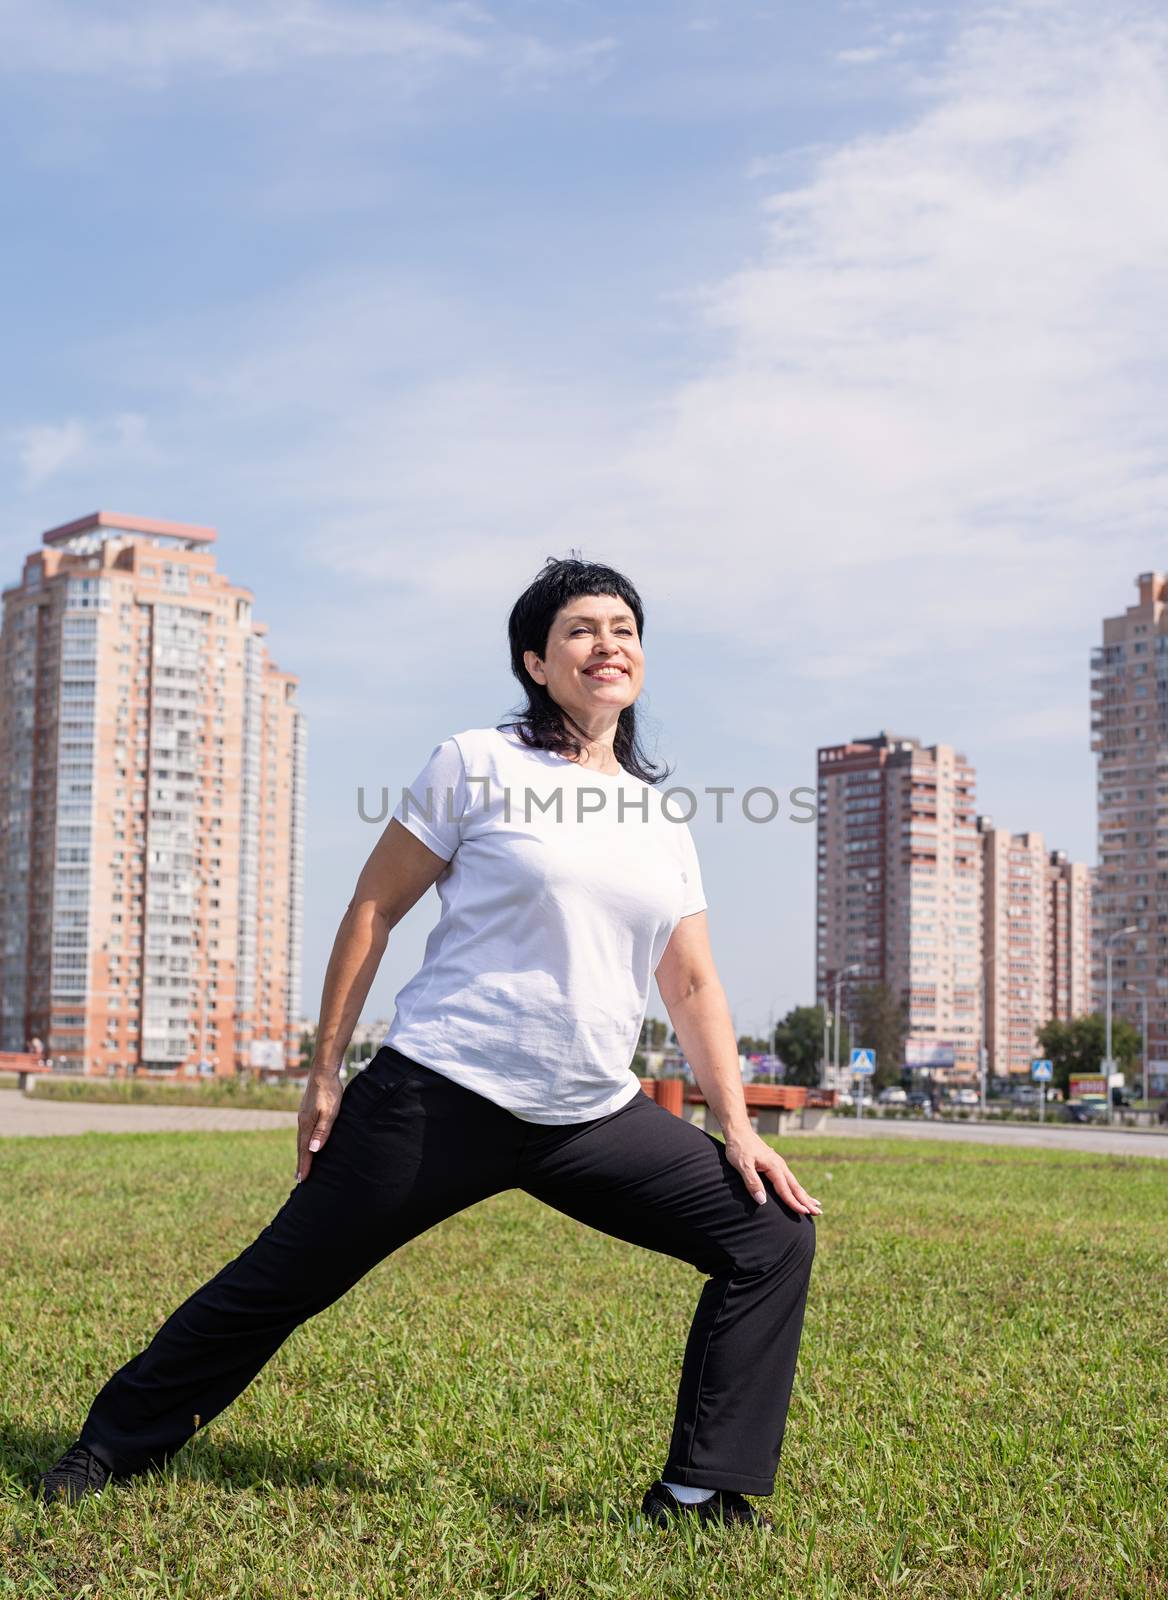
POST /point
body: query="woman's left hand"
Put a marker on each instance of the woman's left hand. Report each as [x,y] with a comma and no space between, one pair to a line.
[755,1159]
[318,1112]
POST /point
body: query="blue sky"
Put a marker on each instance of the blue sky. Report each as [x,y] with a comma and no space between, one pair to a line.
[838,326]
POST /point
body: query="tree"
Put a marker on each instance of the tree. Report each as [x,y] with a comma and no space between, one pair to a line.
[799,1044]
[748,1045]
[307,1047]
[881,1022]
[653,1032]
[1075,1048]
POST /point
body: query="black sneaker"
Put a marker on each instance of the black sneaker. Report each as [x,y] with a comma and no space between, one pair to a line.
[662,1508]
[78,1473]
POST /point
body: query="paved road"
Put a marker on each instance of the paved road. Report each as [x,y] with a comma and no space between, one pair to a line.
[21,1114]
[1103,1141]
[28,1115]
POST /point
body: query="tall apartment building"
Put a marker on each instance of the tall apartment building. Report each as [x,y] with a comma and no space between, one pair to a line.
[899,889]
[152,788]
[1036,943]
[1070,924]
[1129,722]
[1014,945]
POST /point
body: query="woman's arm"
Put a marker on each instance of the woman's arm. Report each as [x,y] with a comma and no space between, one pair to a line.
[397,874]
[696,1002]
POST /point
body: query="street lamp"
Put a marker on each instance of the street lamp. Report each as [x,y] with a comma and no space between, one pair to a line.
[1133,989]
[839,978]
[1120,933]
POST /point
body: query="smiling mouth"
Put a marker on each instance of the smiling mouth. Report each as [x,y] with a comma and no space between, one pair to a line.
[606,674]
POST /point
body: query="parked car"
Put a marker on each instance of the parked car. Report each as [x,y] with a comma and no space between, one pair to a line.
[966,1097]
[1083,1111]
[847,1099]
[892,1095]
[920,1100]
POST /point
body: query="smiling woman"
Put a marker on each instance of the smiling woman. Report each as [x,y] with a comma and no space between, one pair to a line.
[591,660]
[578,657]
[508,1065]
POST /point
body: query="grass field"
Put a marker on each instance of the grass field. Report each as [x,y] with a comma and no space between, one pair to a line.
[980,1407]
[239,1093]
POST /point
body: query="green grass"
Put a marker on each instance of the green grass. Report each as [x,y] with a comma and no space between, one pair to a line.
[979,1410]
[239,1093]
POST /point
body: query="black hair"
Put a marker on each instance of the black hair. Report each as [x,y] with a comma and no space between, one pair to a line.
[542,724]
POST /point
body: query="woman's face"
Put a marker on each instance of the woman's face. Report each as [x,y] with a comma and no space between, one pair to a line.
[593,664]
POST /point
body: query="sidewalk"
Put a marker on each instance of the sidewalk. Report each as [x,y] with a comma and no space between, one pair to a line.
[26,1116]
[1029,1135]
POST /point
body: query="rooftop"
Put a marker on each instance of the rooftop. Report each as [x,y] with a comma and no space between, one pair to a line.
[89,530]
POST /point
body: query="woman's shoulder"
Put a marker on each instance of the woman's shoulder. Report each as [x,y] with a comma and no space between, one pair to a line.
[481,743]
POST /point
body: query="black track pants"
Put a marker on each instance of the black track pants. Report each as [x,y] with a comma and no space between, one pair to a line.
[410,1147]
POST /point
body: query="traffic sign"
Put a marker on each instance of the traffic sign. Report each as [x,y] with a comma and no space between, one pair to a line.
[1042,1071]
[864,1062]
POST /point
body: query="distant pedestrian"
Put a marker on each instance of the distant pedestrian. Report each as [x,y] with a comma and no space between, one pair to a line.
[507,1065]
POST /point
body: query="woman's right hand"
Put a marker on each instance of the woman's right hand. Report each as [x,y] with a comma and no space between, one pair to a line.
[397,874]
[318,1112]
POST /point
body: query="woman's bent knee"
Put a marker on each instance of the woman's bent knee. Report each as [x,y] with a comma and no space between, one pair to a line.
[786,1243]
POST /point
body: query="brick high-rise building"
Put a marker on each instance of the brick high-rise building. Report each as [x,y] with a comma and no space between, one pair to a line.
[1129,721]
[899,890]
[1036,943]
[1014,946]
[1070,937]
[152,786]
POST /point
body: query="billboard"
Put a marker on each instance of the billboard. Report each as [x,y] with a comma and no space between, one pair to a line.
[1095,1084]
[929,1052]
[768,1064]
[266,1055]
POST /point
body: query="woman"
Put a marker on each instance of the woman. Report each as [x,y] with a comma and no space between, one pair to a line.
[564,888]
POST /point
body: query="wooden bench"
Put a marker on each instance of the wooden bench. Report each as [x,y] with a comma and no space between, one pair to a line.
[22,1063]
[774,1104]
[770,1103]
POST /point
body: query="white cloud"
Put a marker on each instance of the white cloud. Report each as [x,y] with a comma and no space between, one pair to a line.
[862,55]
[49,450]
[950,358]
[932,397]
[893,34]
[155,42]
[1043,723]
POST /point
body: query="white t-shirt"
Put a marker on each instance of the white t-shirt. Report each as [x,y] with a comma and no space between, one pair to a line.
[562,890]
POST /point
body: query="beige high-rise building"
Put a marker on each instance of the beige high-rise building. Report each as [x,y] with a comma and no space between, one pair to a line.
[1129,721]
[899,890]
[1036,941]
[1014,946]
[1070,900]
[152,789]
